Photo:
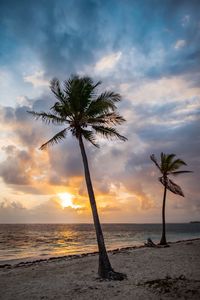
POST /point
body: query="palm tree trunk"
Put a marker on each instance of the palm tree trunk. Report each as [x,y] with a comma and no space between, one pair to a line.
[105,270]
[163,238]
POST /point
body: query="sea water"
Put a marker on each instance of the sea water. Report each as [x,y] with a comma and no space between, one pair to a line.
[37,241]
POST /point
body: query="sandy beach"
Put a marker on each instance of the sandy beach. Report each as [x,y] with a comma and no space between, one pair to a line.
[153,273]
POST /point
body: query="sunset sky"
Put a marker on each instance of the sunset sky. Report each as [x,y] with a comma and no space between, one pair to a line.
[149,52]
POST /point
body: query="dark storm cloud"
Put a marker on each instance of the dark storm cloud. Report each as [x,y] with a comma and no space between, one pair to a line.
[61,33]
[17,118]
[11,115]
[65,159]
[14,169]
[68,35]
[183,140]
[23,124]
[156,128]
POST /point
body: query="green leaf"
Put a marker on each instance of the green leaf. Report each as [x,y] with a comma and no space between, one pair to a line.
[171,186]
[169,164]
[48,118]
[179,172]
[109,132]
[56,89]
[103,104]
[107,118]
[153,158]
[89,136]
[176,164]
[55,139]
[82,108]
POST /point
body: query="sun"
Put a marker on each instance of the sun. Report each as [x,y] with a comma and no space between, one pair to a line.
[66,200]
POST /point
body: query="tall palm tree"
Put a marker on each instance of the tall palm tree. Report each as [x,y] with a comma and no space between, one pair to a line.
[85,113]
[168,166]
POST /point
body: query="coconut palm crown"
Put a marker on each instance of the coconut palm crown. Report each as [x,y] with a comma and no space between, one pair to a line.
[169,165]
[84,112]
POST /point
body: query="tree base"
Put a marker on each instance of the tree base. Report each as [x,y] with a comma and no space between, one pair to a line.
[162,243]
[112,275]
[163,240]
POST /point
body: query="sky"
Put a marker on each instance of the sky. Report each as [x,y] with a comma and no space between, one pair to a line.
[149,52]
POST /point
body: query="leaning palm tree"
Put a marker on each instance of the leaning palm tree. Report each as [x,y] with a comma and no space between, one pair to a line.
[168,166]
[85,113]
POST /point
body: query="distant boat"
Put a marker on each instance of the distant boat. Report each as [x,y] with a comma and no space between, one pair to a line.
[195,222]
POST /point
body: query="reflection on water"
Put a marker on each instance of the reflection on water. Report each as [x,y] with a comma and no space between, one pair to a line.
[19,241]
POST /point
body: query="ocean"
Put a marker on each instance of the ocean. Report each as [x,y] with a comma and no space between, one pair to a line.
[40,241]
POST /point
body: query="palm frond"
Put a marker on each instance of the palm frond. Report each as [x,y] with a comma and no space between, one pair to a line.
[163,162]
[176,164]
[56,89]
[109,96]
[89,136]
[169,158]
[55,139]
[75,80]
[80,106]
[80,92]
[153,158]
[109,132]
[96,108]
[171,186]
[107,118]
[103,104]
[179,172]
[48,118]
[62,110]
[162,156]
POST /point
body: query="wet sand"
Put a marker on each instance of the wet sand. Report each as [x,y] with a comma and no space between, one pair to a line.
[153,273]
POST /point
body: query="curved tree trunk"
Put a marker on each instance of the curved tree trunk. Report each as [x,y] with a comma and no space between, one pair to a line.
[163,238]
[105,270]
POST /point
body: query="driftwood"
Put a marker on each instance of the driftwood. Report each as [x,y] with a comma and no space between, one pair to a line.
[150,243]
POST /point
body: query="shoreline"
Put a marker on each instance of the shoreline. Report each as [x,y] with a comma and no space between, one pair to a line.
[153,273]
[21,262]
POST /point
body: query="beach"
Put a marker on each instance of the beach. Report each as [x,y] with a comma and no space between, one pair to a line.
[152,273]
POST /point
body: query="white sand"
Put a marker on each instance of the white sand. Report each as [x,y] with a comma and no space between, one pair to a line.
[77,278]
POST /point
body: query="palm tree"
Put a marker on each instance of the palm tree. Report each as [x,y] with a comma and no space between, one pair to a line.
[168,166]
[85,113]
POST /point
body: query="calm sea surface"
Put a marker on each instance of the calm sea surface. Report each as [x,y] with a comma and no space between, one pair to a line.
[31,241]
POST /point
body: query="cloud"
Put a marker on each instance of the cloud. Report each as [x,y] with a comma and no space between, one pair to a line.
[36,79]
[107,62]
[71,164]
[179,44]
[127,183]
[12,212]
[185,20]
[131,48]
[15,212]
[16,169]
[69,43]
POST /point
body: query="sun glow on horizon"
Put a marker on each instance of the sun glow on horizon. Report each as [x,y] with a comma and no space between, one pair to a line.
[66,200]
